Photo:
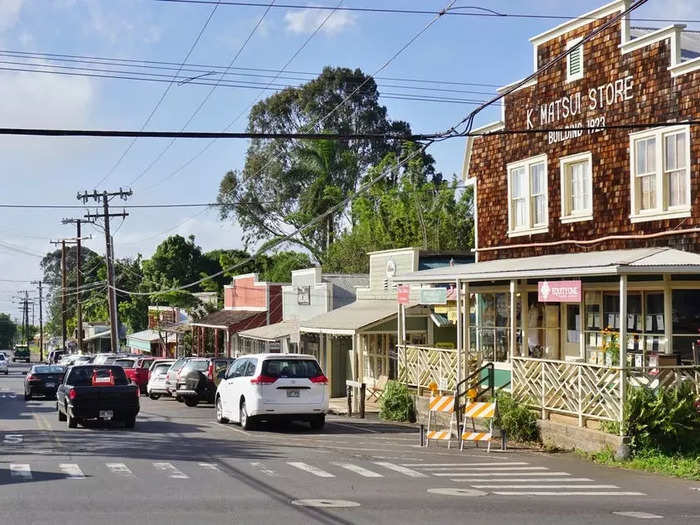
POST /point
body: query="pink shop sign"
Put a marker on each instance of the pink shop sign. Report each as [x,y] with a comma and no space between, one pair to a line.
[559,291]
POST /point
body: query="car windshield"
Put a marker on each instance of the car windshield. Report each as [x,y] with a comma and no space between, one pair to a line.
[179,364]
[198,364]
[146,363]
[2,357]
[161,369]
[48,369]
[125,363]
[82,375]
[292,368]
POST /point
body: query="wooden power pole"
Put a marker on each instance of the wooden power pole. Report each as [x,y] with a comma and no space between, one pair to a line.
[78,278]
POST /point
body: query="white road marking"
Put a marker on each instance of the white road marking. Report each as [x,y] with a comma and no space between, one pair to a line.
[519,469]
[529,486]
[640,515]
[466,466]
[262,468]
[21,471]
[13,439]
[518,480]
[564,493]
[403,470]
[311,469]
[209,466]
[120,469]
[457,492]
[463,464]
[325,503]
[72,471]
[173,471]
[498,474]
[360,470]
[356,427]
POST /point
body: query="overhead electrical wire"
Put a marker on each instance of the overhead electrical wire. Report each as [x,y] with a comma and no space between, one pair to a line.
[161,99]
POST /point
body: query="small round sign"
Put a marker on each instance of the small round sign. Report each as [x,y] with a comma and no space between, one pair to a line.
[457,492]
[325,503]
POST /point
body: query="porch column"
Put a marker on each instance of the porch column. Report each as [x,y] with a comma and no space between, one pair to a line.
[668,313]
[216,343]
[524,319]
[467,338]
[513,320]
[460,346]
[227,343]
[582,325]
[329,362]
[623,348]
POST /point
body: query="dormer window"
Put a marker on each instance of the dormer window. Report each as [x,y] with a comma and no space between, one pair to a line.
[574,61]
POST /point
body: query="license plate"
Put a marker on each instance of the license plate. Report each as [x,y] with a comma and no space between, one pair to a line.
[106,414]
[182,387]
[50,385]
[292,393]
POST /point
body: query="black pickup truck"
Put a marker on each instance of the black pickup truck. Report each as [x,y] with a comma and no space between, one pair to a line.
[100,392]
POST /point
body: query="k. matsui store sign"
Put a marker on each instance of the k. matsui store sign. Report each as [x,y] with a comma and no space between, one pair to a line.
[559,291]
[586,106]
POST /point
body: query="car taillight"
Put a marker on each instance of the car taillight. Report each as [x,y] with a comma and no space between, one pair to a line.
[263,380]
[210,372]
[72,394]
[32,378]
[319,379]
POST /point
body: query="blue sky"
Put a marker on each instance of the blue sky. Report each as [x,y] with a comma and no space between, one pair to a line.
[464,49]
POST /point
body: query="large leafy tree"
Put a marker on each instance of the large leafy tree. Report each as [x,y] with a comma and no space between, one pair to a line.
[283,183]
[8,331]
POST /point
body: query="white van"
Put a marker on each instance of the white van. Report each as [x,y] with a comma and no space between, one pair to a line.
[273,386]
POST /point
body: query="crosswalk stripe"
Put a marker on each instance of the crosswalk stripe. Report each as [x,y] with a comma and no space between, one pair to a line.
[565,493]
[72,471]
[311,469]
[518,480]
[403,470]
[360,470]
[264,469]
[463,464]
[472,465]
[209,466]
[21,471]
[120,469]
[174,472]
[499,474]
[481,469]
[528,486]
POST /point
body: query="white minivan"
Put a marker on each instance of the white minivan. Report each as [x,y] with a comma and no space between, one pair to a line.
[273,386]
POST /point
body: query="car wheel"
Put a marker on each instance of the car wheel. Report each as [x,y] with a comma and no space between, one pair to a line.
[191,401]
[130,422]
[318,422]
[27,395]
[6,372]
[61,415]
[245,421]
[154,396]
[72,422]
[220,411]
[179,399]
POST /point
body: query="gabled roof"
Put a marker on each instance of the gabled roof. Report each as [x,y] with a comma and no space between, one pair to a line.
[610,262]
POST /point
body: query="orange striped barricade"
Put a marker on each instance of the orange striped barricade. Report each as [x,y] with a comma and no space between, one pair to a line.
[473,411]
[444,404]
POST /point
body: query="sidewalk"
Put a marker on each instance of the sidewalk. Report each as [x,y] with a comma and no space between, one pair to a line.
[339,406]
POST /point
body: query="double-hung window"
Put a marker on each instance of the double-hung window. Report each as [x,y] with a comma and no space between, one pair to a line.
[660,174]
[576,187]
[527,196]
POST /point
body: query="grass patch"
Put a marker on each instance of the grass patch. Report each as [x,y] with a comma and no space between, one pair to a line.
[681,465]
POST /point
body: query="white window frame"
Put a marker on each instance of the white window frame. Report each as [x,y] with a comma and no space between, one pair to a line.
[662,210]
[531,228]
[567,216]
[580,50]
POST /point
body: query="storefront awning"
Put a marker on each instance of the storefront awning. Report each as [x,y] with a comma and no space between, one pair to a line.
[610,262]
[349,319]
[272,332]
[224,319]
[150,336]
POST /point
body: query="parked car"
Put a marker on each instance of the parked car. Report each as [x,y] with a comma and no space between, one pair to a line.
[156,382]
[269,386]
[83,360]
[98,392]
[55,356]
[68,360]
[43,380]
[136,369]
[100,359]
[21,353]
[171,378]
[6,353]
[4,367]
[199,378]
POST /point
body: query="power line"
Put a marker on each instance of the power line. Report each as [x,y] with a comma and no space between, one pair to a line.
[162,97]
[476,11]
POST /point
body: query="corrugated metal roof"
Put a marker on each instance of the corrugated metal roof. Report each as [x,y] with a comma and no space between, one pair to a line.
[610,262]
[225,318]
[150,335]
[348,319]
[272,332]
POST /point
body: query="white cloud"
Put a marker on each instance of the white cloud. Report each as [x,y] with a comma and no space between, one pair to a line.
[9,13]
[307,20]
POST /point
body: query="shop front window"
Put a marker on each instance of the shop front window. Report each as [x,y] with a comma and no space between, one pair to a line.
[686,323]
[493,330]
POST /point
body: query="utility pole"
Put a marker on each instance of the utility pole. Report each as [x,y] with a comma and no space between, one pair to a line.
[78,279]
[105,197]
[41,323]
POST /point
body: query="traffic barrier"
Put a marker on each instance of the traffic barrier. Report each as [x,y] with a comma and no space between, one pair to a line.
[473,411]
[445,405]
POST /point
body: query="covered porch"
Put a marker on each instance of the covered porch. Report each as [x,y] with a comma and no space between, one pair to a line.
[568,333]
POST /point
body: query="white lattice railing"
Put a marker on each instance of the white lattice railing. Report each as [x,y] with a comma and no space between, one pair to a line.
[586,390]
[421,365]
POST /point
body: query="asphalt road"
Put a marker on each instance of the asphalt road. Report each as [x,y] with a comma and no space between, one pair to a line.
[180,467]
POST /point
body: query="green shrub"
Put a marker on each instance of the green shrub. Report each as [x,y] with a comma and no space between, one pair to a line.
[396,403]
[516,419]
